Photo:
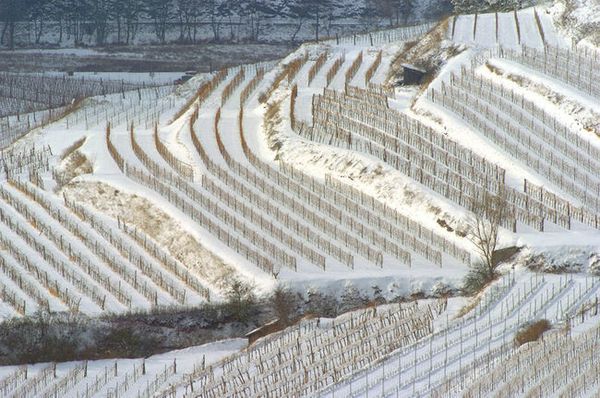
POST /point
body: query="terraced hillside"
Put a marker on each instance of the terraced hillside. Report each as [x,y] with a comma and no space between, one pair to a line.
[318,173]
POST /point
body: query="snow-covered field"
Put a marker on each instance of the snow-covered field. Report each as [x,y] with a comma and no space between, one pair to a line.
[532,27]
[315,174]
[433,348]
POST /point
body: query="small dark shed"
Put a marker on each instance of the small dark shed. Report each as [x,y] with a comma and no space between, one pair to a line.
[412,74]
[265,330]
[183,79]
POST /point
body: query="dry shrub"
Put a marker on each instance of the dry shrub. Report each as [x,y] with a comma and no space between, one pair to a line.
[72,148]
[73,164]
[264,97]
[272,112]
[290,70]
[469,306]
[293,97]
[532,331]
[202,93]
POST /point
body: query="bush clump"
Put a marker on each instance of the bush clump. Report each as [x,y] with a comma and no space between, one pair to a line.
[532,331]
[478,277]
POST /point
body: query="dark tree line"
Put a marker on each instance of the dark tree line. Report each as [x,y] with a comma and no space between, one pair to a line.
[121,19]
[474,6]
[396,12]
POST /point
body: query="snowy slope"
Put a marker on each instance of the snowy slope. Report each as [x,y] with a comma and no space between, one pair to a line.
[209,184]
[316,174]
[533,27]
[114,377]
[433,347]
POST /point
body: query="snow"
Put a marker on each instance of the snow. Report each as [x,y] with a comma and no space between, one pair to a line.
[463,31]
[187,361]
[152,78]
[462,339]
[484,35]
[458,342]
[577,20]
[391,187]
[531,297]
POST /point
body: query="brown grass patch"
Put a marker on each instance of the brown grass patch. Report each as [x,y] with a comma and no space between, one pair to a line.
[73,163]
[72,148]
[139,212]
[532,332]
[469,307]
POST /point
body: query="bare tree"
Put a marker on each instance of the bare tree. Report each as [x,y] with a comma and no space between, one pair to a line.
[187,14]
[11,13]
[214,10]
[490,211]
[313,9]
[380,9]
[133,11]
[464,6]
[100,14]
[161,12]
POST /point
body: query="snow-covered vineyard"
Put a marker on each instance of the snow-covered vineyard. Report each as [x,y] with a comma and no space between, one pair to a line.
[393,350]
[317,172]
